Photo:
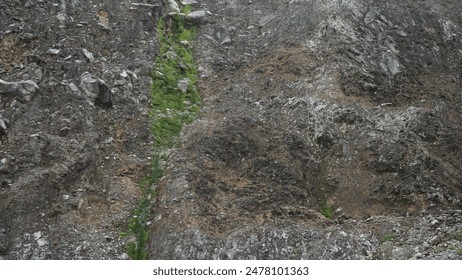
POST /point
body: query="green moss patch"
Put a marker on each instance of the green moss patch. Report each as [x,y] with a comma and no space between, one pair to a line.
[174,103]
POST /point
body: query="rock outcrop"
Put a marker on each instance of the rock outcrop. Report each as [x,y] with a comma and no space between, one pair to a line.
[74,126]
[329,130]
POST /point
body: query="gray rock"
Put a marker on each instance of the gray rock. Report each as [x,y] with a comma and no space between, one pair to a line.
[265,20]
[188,2]
[23,90]
[53,51]
[96,90]
[73,87]
[173,6]
[183,85]
[88,55]
[197,15]
[42,242]
[223,36]
[3,125]
[29,4]
[145,5]
[62,20]
[87,82]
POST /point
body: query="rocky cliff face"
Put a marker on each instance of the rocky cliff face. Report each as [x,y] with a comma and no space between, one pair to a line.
[328,130]
[349,110]
[75,140]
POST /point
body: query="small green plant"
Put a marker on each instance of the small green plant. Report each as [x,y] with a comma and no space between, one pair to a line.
[327,211]
[322,189]
[137,224]
[186,9]
[157,170]
[388,237]
[457,250]
[123,234]
[458,235]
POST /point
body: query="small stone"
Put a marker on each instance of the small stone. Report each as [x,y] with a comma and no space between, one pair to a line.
[41,242]
[3,125]
[88,55]
[65,196]
[73,87]
[38,73]
[124,74]
[226,40]
[28,4]
[62,20]
[108,140]
[434,240]
[53,51]
[265,20]
[402,33]
[197,15]
[37,235]
[97,90]
[223,36]
[183,85]
[188,2]
[173,6]
[369,86]
[24,90]
[133,74]
[185,43]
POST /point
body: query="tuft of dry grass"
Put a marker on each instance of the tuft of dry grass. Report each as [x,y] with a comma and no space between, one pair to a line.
[11,51]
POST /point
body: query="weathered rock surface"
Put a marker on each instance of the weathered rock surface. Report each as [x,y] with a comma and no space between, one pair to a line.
[74,126]
[349,105]
[23,90]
